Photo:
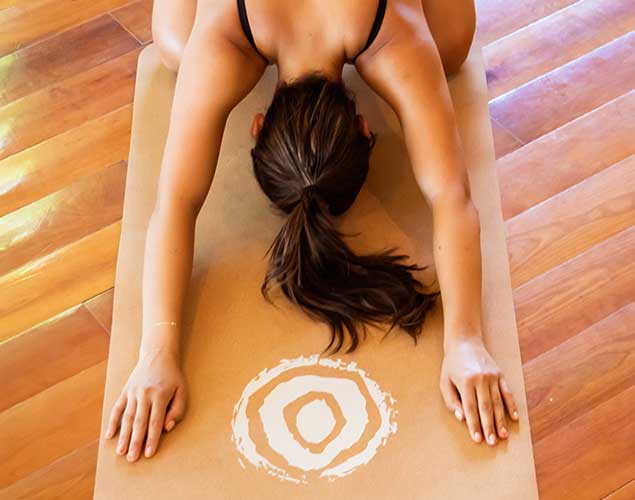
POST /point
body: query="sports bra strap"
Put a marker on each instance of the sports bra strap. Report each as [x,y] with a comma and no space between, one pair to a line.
[379,17]
[244,22]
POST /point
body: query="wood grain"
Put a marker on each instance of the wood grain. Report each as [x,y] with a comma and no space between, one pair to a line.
[39,436]
[71,477]
[571,221]
[27,21]
[60,280]
[567,299]
[625,492]
[63,159]
[555,40]
[100,307]
[52,222]
[590,456]
[504,141]
[498,18]
[67,104]
[581,373]
[47,354]
[136,17]
[560,159]
[62,56]
[568,92]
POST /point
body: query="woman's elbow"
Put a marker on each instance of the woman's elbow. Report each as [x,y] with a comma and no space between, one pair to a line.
[456,198]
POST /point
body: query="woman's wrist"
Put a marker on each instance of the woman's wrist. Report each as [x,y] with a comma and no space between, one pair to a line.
[461,336]
[160,339]
[146,352]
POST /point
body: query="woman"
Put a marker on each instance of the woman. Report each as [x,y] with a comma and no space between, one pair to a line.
[311,159]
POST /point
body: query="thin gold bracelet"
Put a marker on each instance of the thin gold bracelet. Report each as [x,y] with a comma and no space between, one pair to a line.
[171,323]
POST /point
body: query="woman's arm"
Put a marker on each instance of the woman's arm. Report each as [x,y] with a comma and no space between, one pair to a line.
[214,76]
[407,72]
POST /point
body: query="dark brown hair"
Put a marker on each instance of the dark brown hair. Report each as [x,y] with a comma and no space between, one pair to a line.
[311,160]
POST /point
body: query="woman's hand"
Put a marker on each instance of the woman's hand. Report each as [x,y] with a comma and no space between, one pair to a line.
[155,382]
[469,369]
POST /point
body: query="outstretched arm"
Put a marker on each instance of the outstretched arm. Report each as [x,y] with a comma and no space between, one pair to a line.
[214,76]
[407,72]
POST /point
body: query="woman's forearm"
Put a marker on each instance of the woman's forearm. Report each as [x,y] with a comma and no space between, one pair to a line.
[166,274]
[457,254]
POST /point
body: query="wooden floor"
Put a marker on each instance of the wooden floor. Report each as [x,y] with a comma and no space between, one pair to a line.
[561,76]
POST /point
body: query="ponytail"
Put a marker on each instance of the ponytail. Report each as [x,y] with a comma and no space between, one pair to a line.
[317,271]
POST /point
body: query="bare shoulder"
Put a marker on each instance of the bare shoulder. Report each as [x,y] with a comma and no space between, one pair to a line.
[404,63]
[221,17]
[407,72]
[219,57]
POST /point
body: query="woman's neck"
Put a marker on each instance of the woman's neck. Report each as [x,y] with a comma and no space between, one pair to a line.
[289,70]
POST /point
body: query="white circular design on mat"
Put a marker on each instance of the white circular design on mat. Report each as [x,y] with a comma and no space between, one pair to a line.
[315,420]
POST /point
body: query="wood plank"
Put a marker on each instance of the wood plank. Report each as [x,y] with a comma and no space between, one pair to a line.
[560,159]
[581,373]
[573,296]
[497,18]
[27,21]
[45,287]
[70,478]
[504,141]
[591,456]
[572,221]
[101,308]
[136,17]
[78,210]
[555,40]
[52,164]
[39,436]
[626,492]
[554,99]
[67,104]
[61,56]
[49,353]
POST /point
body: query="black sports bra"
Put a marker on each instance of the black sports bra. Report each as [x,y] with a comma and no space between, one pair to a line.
[379,17]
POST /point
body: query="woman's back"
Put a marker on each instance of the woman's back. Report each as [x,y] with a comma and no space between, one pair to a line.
[299,36]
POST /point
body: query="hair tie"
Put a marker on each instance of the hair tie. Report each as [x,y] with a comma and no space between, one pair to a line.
[311,188]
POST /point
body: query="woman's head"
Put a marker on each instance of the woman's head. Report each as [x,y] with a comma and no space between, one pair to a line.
[311,159]
[311,134]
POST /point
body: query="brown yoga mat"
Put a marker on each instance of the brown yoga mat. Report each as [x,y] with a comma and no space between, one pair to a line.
[268,417]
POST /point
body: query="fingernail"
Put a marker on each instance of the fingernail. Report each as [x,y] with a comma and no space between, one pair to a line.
[515,415]
[457,414]
[148,451]
[477,437]
[120,449]
[170,425]
[491,439]
[130,457]
[503,431]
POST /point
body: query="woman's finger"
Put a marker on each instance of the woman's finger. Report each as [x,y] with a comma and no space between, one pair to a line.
[508,398]
[499,409]
[486,411]
[140,427]
[155,426]
[470,410]
[177,408]
[451,397]
[115,415]
[126,426]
